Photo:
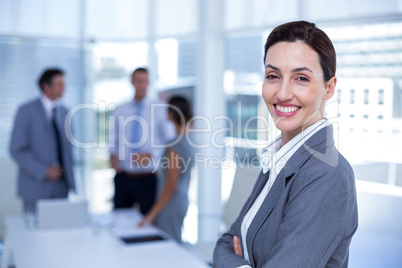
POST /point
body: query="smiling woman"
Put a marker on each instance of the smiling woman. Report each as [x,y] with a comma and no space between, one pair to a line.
[302,211]
[294,88]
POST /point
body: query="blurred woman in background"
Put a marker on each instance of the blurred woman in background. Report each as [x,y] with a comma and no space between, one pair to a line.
[169,210]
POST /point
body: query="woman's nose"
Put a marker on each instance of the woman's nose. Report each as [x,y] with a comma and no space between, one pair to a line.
[285,92]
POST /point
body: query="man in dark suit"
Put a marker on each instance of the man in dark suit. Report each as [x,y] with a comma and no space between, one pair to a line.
[39,144]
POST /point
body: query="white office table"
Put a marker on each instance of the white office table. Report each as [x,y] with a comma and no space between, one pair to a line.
[89,247]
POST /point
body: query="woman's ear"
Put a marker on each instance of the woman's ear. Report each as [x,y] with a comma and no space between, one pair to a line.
[330,88]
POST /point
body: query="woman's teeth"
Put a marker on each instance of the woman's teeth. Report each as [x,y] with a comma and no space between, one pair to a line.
[287,109]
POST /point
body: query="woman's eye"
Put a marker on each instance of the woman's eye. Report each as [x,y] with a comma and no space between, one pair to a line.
[302,78]
[271,76]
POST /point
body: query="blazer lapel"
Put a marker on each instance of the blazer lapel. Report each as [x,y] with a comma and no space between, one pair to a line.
[259,184]
[261,181]
[263,213]
[313,146]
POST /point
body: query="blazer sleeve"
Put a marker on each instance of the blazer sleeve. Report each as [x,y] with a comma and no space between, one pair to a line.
[316,220]
[20,147]
[224,256]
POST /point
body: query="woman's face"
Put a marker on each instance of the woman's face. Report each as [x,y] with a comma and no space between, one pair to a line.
[294,89]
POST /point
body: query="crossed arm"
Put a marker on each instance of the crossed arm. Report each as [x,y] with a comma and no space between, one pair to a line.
[312,231]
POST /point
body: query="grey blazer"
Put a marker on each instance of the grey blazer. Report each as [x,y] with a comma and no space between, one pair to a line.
[33,147]
[307,219]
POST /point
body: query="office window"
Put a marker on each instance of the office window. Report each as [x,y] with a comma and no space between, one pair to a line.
[113,64]
[112,20]
[175,17]
[243,75]
[339,95]
[366,96]
[381,96]
[187,57]
[244,54]
[22,62]
[240,108]
[167,50]
[370,52]
[352,96]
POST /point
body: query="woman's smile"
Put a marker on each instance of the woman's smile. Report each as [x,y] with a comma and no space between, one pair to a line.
[286,110]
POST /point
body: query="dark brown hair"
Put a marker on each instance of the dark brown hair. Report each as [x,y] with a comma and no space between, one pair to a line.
[47,76]
[312,36]
[180,109]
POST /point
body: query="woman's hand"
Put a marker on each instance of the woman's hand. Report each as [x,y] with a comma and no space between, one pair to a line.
[237,246]
[148,219]
[172,178]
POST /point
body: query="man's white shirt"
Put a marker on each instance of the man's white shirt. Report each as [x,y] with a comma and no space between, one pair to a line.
[156,132]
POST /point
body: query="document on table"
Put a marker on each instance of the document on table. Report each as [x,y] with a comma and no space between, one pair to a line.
[133,230]
[131,234]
